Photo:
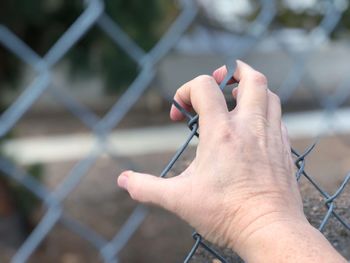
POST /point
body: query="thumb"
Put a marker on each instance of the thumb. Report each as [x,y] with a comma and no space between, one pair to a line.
[145,188]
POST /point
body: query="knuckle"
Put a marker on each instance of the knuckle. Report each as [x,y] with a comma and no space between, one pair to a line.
[225,132]
[276,98]
[204,79]
[259,78]
[284,129]
[260,127]
[256,123]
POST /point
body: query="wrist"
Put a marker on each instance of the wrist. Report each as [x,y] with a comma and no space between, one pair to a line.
[288,241]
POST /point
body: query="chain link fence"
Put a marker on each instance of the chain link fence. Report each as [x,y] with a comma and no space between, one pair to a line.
[95,14]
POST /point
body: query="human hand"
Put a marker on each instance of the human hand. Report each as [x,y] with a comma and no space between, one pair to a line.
[242,178]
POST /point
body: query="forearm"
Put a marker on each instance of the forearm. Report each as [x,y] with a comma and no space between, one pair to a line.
[290,242]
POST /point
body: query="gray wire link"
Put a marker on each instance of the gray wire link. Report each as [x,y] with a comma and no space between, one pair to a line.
[95,14]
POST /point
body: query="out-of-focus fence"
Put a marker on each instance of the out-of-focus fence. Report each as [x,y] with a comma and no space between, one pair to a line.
[95,15]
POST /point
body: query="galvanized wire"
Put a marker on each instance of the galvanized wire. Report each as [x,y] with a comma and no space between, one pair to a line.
[95,14]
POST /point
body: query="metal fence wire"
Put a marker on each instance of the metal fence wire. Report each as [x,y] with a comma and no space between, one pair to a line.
[95,14]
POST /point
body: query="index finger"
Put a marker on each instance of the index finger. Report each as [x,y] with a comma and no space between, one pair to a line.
[252,88]
[203,95]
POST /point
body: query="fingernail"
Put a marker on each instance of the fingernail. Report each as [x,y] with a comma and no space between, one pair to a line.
[218,70]
[123,181]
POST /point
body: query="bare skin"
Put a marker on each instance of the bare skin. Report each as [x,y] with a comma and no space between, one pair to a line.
[240,190]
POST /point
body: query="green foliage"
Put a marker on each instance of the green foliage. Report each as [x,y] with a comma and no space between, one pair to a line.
[41,22]
[298,20]
[344,24]
[26,202]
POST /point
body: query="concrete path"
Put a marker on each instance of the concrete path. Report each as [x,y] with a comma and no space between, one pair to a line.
[156,139]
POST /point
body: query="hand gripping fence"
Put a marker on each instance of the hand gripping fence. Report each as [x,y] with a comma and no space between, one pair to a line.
[95,15]
[299,163]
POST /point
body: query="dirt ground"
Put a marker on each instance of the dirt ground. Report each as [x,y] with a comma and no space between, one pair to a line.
[162,237]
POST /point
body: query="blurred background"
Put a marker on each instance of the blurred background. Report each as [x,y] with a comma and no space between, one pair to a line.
[105,109]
